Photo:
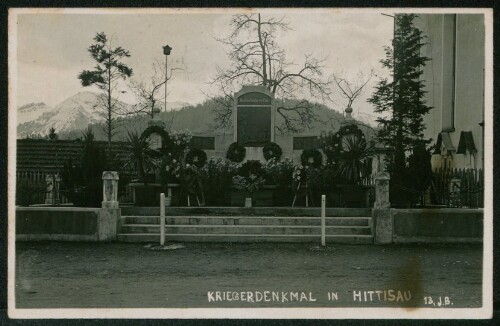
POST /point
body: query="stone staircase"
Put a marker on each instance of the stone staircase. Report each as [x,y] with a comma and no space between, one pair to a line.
[234,224]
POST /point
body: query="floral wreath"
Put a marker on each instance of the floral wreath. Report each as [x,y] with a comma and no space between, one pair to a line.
[165,139]
[311,158]
[332,142]
[196,157]
[272,150]
[236,153]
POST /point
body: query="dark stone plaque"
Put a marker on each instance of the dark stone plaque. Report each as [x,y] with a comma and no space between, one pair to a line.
[254,98]
[254,125]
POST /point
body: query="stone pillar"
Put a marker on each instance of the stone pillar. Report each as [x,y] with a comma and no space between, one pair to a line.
[49,189]
[110,189]
[381,214]
[109,215]
[382,190]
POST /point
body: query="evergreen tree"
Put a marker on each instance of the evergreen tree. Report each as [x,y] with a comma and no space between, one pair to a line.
[107,72]
[400,101]
[52,134]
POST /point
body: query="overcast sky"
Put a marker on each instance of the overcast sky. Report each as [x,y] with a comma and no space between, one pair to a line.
[52,48]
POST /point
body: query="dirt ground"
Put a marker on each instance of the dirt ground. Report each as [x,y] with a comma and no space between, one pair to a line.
[116,275]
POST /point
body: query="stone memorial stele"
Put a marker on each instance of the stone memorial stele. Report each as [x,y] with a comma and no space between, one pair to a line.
[254,116]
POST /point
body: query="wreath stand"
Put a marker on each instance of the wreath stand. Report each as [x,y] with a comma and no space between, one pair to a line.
[200,190]
[308,192]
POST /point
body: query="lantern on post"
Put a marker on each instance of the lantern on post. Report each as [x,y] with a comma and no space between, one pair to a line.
[166,51]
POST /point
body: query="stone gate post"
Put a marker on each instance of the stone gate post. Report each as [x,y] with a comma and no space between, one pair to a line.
[109,217]
[110,189]
[382,218]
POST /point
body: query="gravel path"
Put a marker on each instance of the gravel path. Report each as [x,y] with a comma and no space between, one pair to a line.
[91,275]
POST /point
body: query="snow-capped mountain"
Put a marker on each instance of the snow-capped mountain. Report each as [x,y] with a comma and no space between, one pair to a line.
[74,113]
[31,111]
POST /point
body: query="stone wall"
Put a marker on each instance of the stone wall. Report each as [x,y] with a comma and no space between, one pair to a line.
[444,225]
[66,223]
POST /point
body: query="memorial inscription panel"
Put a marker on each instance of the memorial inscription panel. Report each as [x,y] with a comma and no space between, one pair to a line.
[254,119]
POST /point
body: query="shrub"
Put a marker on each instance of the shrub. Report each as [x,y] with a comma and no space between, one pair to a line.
[279,173]
[82,181]
[217,176]
[29,193]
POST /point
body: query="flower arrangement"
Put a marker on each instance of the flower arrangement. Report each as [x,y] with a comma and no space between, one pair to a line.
[180,141]
[172,165]
[278,172]
[248,184]
[250,177]
[299,174]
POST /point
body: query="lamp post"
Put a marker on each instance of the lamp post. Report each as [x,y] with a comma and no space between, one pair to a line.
[166,52]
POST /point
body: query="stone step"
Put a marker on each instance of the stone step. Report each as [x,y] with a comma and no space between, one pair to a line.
[246,229]
[240,211]
[247,220]
[155,238]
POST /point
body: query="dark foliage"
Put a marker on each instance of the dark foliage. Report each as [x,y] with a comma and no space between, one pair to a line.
[403,97]
[82,181]
[29,193]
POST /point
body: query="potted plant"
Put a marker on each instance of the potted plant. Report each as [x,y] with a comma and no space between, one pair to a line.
[354,165]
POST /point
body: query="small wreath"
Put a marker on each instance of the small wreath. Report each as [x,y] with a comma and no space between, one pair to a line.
[165,139]
[272,150]
[196,157]
[236,153]
[311,157]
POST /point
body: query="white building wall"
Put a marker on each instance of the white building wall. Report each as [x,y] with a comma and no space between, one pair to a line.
[463,64]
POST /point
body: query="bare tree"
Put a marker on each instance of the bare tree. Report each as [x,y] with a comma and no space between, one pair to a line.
[148,93]
[351,90]
[256,58]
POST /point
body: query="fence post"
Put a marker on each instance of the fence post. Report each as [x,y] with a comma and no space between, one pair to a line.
[162,219]
[57,189]
[323,220]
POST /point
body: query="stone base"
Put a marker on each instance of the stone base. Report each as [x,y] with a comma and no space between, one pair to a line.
[110,204]
[384,224]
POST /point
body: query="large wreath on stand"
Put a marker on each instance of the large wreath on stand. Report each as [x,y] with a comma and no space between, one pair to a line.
[333,143]
[196,157]
[236,153]
[165,139]
[272,150]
